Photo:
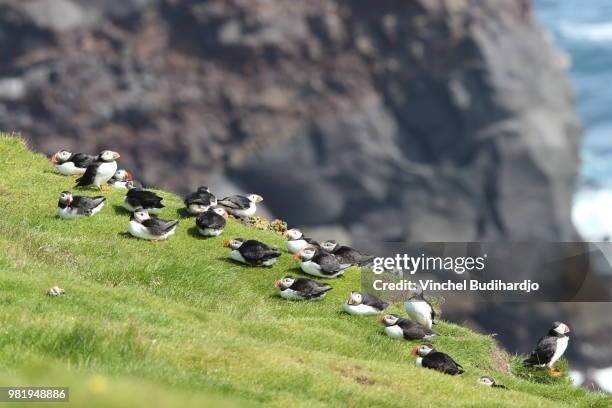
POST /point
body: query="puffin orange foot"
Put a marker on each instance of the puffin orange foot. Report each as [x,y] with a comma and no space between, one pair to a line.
[554,372]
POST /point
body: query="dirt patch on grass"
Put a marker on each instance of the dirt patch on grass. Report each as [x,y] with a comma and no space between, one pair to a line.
[353,374]
[499,359]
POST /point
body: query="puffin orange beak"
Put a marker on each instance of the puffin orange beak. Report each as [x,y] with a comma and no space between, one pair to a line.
[380,319]
[277,283]
[129,177]
[350,301]
[54,158]
[414,351]
[116,155]
[225,214]
[296,255]
[226,243]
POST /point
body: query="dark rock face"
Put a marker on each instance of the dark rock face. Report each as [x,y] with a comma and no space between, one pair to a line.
[452,118]
[422,120]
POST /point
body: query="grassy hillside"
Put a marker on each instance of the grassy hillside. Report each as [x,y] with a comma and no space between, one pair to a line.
[176,323]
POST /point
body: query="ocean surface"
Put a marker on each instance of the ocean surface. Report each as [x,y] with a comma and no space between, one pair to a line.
[583,29]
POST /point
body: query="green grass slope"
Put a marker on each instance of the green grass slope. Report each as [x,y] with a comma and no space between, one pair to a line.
[177,323]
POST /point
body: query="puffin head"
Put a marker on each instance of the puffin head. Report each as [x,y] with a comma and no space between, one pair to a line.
[560,328]
[488,381]
[221,212]
[389,320]
[234,243]
[61,156]
[355,298]
[305,254]
[329,245]
[255,198]
[293,234]
[203,189]
[108,156]
[285,282]
[65,198]
[141,215]
[423,350]
[123,175]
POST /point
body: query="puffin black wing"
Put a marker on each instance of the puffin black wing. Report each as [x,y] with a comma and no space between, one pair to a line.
[442,362]
[328,263]
[85,205]
[347,254]
[81,160]
[236,202]
[210,219]
[309,288]
[89,176]
[200,197]
[255,251]
[413,330]
[159,227]
[543,351]
[138,197]
[373,301]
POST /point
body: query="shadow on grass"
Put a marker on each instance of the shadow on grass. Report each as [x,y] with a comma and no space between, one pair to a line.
[183,213]
[119,210]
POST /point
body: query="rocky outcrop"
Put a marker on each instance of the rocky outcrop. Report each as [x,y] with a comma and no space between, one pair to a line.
[451,118]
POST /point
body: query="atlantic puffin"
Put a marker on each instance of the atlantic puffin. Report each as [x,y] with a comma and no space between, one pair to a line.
[70,207]
[420,310]
[212,222]
[100,171]
[139,198]
[428,357]
[292,288]
[71,164]
[550,348]
[490,382]
[241,206]
[361,303]
[399,328]
[200,201]
[121,179]
[320,263]
[345,254]
[296,241]
[143,226]
[252,252]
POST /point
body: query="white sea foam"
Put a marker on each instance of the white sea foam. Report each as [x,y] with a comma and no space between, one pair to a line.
[591,214]
[595,32]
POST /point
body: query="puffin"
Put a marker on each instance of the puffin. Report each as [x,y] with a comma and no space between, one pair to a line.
[200,201]
[420,310]
[71,164]
[428,357]
[251,252]
[211,222]
[296,241]
[70,207]
[346,254]
[139,198]
[320,263]
[399,328]
[361,303]
[143,226]
[121,179]
[292,288]
[100,170]
[490,382]
[241,206]
[550,348]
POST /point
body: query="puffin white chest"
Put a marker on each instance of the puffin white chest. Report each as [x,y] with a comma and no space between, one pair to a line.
[245,212]
[312,268]
[394,332]
[296,245]
[105,172]
[210,232]
[290,294]
[419,311]
[68,213]
[362,310]
[69,169]
[237,256]
[562,343]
